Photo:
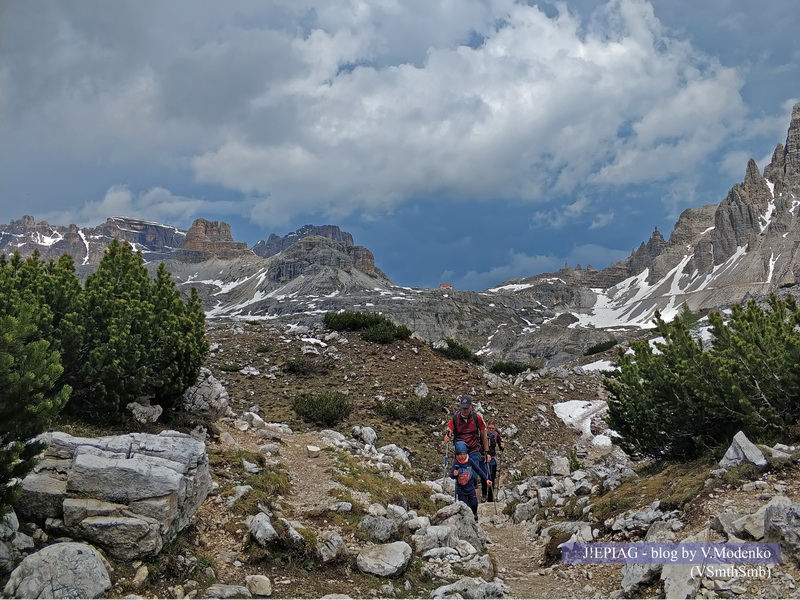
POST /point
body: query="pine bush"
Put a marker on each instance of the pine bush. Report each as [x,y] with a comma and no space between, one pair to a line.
[458,351]
[326,409]
[420,410]
[507,367]
[374,327]
[600,347]
[31,393]
[140,338]
[683,400]
[348,320]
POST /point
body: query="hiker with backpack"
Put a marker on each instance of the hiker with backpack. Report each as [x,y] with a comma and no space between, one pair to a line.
[463,470]
[495,443]
[468,427]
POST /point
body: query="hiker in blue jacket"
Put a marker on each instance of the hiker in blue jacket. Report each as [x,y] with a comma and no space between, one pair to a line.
[463,471]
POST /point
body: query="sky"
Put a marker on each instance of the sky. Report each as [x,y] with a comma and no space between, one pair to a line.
[467,142]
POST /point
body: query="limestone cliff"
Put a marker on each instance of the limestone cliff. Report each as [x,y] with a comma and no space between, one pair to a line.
[210,239]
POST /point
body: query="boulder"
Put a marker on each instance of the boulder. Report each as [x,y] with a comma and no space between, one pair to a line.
[526,511]
[67,570]
[396,452]
[258,585]
[145,413]
[41,496]
[262,530]
[207,397]
[472,587]
[125,538]
[366,435]
[683,580]
[740,451]
[459,516]
[634,576]
[782,524]
[9,533]
[330,546]
[380,529]
[384,560]
[219,590]
[129,494]
[436,536]
[479,565]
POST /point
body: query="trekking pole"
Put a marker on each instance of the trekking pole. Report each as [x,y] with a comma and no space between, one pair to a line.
[446,462]
[496,482]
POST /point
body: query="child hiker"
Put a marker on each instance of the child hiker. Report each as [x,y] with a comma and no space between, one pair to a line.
[463,470]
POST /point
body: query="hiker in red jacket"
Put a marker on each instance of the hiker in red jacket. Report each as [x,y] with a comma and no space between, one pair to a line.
[469,427]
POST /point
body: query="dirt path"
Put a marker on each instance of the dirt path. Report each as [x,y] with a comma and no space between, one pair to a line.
[517,554]
[515,549]
[311,478]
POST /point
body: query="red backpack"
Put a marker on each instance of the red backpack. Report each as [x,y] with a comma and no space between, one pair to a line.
[455,426]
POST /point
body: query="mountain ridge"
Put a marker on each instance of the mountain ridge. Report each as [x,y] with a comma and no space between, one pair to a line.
[745,247]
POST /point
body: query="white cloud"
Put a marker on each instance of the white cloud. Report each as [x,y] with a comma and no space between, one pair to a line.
[523,265]
[156,204]
[680,194]
[538,105]
[559,217]
[602,220]
[346,107]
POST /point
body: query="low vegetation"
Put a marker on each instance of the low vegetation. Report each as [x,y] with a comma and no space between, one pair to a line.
[374,327]
[326,409]
[307,366]
[382,489]
[674,484]
[429,409]
[88,349]
[685,399]
[458,351]
[507,367]
[600,347]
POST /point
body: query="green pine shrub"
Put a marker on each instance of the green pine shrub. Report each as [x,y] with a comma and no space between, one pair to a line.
[32,387]
[326,409]
[385,333]
[374,327]
[507,367]
[683,400]
[306,366]
[120,337]
[420,410]
[600,347]
[458,351]
[348,320]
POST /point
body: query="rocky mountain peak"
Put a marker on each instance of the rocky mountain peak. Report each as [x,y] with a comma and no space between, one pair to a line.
[792,149]
[87,244]
[275,244]
[210,239]
[313,252]
[646,253]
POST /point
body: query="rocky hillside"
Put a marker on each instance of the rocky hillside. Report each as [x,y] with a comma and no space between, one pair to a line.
[368,516]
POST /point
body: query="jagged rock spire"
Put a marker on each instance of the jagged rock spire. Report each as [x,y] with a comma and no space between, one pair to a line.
[792,150]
